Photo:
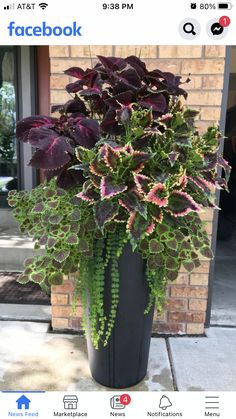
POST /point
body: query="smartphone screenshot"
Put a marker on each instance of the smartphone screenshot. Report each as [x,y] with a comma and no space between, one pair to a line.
[117,209]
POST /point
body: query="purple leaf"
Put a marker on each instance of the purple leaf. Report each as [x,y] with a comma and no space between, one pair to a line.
[110,124]
[157,195]
[109,188]
[155,101]
[75,105]
[75,72]
[105,211]
[180,204]
[112,63]
[53,150]
[74,87]
[85,131]
[137,64]
[24,126]
[129,78]
[93,91]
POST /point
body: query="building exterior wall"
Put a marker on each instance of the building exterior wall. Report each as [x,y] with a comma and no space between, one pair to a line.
[186,297]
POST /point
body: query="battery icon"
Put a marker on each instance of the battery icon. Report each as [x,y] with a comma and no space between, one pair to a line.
[227,6]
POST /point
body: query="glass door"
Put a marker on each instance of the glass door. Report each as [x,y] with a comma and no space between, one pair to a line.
[9,176]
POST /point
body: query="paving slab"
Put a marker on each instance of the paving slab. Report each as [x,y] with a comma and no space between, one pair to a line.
[25,312]
[205,363]
[33,359]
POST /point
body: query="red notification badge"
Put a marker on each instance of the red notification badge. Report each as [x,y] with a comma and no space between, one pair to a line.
[125,399]
[224,21]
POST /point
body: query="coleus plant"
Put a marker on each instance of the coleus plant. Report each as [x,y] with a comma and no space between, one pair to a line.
[123,163]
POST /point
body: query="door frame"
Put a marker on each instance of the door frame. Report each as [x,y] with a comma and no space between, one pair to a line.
[216,213]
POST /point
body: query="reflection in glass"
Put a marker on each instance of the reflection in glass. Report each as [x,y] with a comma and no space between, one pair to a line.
[8,154]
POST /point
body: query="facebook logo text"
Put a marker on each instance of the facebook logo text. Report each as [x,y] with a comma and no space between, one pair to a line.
[44,30]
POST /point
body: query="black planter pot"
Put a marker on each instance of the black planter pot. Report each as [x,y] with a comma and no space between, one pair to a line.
[123,362]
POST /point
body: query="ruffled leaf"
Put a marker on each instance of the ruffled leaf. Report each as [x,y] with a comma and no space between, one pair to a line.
[157,195]
[109,188]
[142,183]
[180,204]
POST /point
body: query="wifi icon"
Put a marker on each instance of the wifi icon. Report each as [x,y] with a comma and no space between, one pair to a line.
[43,5]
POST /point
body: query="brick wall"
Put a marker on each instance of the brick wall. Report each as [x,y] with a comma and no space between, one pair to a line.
[187,296]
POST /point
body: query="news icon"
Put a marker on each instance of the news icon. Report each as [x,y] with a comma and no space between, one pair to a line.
[116,403]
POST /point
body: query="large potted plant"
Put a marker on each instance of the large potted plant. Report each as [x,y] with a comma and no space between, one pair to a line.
[127,175]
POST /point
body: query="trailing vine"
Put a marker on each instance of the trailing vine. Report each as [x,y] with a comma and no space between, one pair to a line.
[124,164]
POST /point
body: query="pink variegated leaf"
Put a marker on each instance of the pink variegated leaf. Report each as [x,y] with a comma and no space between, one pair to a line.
[98,168]
[139,158]
[150,229]
[142,183]
[88,193]
[180,204]
[158,195]
[155,212]
[227,168]
[200,183]
[110,188]
[111,156]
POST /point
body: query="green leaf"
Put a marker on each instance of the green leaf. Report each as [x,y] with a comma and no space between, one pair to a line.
[155,246]
[206,252]
[23,279]
[37,277]
[55,219]
[72,239]
[189,265]
[83,246]
[39,208]
[61,255]
[55,278]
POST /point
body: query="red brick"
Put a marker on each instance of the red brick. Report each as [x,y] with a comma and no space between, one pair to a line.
[59,299]
[170,328]
[60,324]
[176,304]
[197,304]
[67,286]
[196,317]
[179,291]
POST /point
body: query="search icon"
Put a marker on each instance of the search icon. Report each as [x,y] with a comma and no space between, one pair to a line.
[189,28]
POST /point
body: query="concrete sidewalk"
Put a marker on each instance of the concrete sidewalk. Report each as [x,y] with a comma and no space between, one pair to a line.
[32,358]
